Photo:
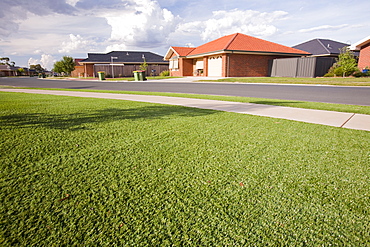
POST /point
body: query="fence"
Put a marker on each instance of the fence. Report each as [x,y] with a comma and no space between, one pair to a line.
[301,67]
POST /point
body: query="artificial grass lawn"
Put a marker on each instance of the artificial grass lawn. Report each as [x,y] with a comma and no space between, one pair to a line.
[339,81]
[80,171]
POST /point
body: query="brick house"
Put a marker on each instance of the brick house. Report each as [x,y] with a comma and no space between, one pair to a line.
[235,55]
[119,63]
[79,69]
[7,70]
[364,47]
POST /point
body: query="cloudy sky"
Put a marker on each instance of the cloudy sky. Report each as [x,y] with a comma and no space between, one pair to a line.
[42,31]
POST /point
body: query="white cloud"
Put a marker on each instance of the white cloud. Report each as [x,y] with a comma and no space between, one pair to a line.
[33,61]
[189,45]
[72,2]
[227,22]
[144,24]
[75,44]
[116,47]
[323,28]
[46,61]
[12,12]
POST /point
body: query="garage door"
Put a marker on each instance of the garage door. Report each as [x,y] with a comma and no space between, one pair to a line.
[215,66]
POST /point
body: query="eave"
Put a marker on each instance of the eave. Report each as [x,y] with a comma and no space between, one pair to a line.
[247,52]
[358,45]
[122,63]
[169,53]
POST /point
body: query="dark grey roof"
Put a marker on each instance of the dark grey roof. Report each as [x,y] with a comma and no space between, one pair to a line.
[6,67]
[124,57]
[319,47]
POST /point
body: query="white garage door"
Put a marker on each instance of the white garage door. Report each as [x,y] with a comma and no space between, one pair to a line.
[215,66]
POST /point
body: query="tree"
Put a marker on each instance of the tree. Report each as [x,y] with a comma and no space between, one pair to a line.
[346,61]
[58,67]
[20,71]
[144,65]
[37,68]
[6,61]
[66,65]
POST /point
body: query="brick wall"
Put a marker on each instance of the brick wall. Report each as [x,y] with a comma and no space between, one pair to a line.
[185,68]
[205,66]
[241,65]
[175,73]
[364,60]
[89,70]
[79,71]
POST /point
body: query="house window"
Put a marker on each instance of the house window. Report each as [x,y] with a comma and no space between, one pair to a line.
[174,64]
[199,64]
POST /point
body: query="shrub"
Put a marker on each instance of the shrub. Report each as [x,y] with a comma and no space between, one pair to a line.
[347,62]
[338,71]
[329,74]
[359,74]
[165,73]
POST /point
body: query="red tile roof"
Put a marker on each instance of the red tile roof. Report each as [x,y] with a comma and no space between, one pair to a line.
[242,42]
[182,51]
[78,60]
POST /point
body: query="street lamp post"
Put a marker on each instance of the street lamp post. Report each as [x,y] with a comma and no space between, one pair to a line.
[111,61]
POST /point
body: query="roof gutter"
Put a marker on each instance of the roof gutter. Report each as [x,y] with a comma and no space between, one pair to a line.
[121,63]
[247,52]
[357,46]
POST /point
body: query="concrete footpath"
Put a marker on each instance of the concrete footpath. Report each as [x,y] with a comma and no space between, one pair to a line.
[330,118]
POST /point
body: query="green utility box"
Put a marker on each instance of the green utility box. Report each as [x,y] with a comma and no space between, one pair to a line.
[139,75]
[101,75]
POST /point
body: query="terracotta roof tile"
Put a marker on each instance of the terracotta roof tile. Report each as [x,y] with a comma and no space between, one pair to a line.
[242,42]
[183,51]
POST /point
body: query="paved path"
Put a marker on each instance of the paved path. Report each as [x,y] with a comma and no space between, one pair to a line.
[336,119]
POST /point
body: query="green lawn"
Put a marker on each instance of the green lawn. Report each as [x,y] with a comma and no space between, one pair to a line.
[339,81]
[97,172]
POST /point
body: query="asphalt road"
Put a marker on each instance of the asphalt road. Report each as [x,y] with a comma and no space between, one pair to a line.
[314,93]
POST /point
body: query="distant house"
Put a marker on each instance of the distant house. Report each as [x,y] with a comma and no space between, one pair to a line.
[322,47]
[8,70]
[363,46]
[121,63]
[235,55]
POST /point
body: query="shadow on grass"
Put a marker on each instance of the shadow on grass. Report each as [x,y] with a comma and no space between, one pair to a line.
[80,87]
[77,121]
[278,103]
